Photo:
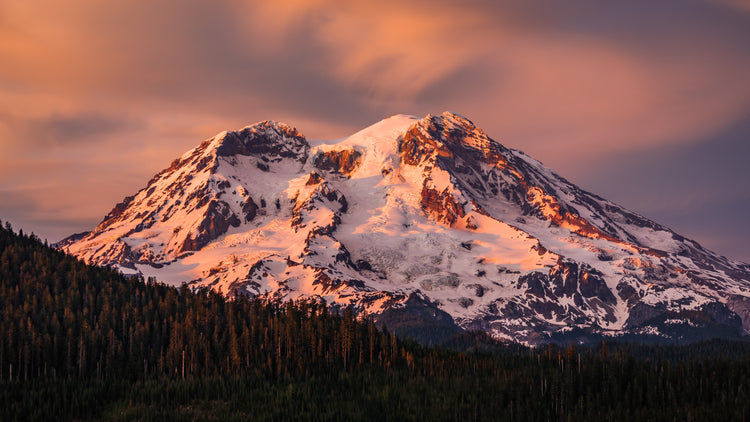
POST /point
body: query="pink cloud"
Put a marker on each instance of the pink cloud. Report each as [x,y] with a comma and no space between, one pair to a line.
[566,84]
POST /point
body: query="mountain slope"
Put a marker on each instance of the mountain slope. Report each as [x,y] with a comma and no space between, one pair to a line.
[427,217]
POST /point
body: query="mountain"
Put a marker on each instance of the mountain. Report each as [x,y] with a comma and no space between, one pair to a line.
[80,342]
[424,224]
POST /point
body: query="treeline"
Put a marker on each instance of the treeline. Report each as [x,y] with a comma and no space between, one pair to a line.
[63,319]
[82,342]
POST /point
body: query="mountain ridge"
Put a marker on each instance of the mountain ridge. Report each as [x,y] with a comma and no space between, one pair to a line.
[429,211]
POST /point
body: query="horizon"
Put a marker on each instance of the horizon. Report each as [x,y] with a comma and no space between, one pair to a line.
[646,105]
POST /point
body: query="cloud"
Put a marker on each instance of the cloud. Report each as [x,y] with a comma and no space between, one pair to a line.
[62,129]
[584,71]
[115,90]
[736,5]
[585,80]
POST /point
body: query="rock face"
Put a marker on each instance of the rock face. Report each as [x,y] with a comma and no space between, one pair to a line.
[412,219]
[342,161]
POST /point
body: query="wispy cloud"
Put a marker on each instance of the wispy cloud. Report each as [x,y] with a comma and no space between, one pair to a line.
[579,81]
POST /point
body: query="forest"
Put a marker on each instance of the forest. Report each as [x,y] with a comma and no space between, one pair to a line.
[79,342]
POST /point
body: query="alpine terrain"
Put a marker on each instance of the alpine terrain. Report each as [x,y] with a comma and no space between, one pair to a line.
[418,223]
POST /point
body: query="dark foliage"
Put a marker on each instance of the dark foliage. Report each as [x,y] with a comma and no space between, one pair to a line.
[81,342]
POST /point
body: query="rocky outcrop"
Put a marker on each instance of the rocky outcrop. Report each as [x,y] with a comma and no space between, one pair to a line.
[343,161]
[570,278]
[217,219]
[441,206]
[118,210]
[268,140]
[740,305]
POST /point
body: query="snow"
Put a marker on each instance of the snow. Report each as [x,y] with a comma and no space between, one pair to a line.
[464,270]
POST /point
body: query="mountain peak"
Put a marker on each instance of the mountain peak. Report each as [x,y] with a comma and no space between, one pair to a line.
[446,136]
[268,139]
[450,126]
[408,207]
[452,118]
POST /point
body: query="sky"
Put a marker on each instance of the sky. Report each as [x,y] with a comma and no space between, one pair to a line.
[646,103]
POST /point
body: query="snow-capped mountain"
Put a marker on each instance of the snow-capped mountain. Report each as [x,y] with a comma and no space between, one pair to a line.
[427,217]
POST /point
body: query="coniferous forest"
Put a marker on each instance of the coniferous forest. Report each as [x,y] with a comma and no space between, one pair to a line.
[86,343]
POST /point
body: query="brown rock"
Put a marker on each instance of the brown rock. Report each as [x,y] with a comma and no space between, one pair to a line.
[441,206]
[343,162]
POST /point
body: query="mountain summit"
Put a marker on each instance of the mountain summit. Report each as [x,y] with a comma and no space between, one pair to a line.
[418,219]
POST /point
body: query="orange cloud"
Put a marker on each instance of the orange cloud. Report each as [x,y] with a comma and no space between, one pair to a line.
[551,88]
[113,91]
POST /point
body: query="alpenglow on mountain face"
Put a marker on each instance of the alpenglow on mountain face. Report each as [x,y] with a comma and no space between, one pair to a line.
[426,219]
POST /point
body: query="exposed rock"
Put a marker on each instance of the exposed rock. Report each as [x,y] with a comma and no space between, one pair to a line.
[116,213]
[313,179]
[217,219]
[249,209]
[720,313]
[535,282]
[70,240]
[343,161]
[442,206]
[592,284]
[641,313]
[267,139]
[627,293]
[419,319]
[465,302]
[478,289]
[740,305]
[565,277]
